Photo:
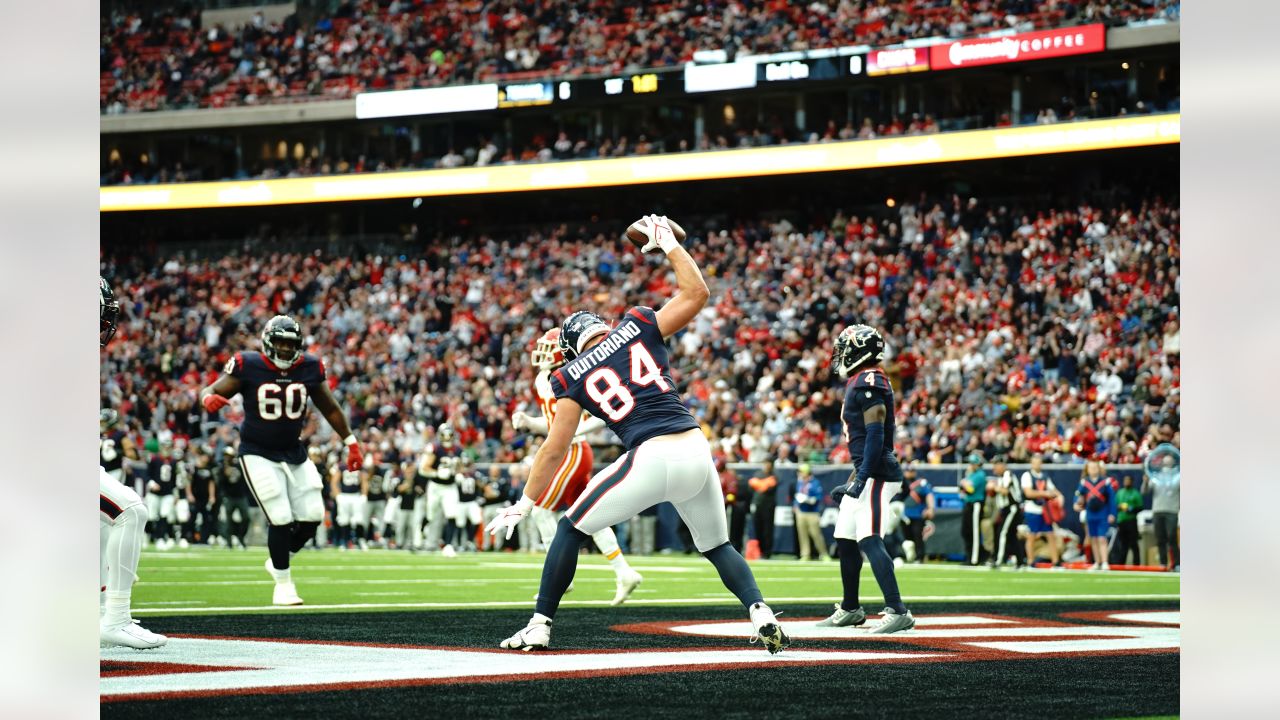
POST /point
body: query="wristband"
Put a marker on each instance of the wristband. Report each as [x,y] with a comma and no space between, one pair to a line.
[667,241]
[349,440]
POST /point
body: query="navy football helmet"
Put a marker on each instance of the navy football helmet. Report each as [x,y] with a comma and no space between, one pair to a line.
[856,346]
[282,341]
[578,329]
[108,312]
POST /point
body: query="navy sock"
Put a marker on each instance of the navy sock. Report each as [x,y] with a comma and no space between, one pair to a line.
[279,537]
[559,567]
[735,574]
[302,534]
[882,566]
[850,572]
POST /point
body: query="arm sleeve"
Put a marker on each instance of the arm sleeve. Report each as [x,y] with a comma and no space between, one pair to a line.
[872,449]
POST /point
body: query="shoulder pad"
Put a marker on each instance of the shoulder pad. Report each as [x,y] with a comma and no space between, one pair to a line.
[644,314]
[873,378]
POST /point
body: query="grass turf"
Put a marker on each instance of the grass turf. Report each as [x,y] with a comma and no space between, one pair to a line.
[219,580]
[475,600]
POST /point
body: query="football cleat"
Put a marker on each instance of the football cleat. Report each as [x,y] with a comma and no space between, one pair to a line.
[626,585]
[845,618]
[768,629]
[535,636]
[448,551]
[892,622]
[130,634]
[285,594]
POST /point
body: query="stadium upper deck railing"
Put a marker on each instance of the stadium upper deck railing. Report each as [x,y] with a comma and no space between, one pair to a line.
[1131,131]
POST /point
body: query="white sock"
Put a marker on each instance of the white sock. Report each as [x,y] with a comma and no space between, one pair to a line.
[124,545]
[619,563]
[761,615]
[282,577]
[116,609]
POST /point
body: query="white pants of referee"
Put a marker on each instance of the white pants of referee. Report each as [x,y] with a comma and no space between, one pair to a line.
[285,491]
[670,468]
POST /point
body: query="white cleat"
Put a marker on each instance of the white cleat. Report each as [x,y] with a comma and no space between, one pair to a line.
[768,629]
[627,583]
[285,594]
[892,622]
[183,544]
[130,634]
[535,636]
[448,551]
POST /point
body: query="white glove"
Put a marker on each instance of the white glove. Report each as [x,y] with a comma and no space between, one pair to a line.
[520,420]
[510,517]
[658,229]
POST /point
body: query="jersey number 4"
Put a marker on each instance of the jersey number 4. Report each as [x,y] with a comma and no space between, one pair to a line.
[275,402]
[606,388]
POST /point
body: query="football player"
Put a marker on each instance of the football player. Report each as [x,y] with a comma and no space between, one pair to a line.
[162,493]
[574,472]
[350,490]
[439,465]
[122,518]
[867,415]
[276,385]
[623,376]
[469,516]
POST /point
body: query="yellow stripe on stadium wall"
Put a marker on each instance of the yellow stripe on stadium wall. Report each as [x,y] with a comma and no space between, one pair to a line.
[779,160]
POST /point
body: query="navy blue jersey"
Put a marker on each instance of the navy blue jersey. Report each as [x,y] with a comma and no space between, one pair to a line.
[275,404]
[163,472]
[625,380]
[867,389]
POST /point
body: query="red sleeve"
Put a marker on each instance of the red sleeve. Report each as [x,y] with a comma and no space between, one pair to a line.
[644,314]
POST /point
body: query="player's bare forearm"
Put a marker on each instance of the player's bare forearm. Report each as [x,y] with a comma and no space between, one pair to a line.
[226,386]
[553,450]
[331,411]
[691,296]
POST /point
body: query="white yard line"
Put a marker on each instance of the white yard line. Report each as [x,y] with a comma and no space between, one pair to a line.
[145,609]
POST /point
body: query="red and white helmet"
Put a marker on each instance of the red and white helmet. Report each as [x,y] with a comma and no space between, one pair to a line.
[546,353]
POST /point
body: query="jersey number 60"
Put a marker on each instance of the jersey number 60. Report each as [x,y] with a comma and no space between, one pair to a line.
[292,406]
[606,388]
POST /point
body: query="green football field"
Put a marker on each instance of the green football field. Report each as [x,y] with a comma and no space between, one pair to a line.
[221,580]
[385,633]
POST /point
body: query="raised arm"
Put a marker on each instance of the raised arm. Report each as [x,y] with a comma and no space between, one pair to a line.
[692,293]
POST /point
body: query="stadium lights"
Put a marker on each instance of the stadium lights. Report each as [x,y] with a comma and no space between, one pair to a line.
[1132,131]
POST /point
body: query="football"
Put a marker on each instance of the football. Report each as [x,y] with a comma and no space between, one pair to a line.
[637,236]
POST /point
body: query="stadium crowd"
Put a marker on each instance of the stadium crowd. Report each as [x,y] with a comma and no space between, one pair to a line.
[650,141]
[1012,330]
[163,60]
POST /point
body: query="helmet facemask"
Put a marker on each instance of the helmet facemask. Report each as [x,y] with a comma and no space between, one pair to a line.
[282,341]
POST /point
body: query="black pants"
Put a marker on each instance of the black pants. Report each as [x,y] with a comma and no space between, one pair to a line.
[971,531]
[737,524]
[914,531]
[1007,543]
[202,514]
[1167,537]
[1126,543]
[237,514]
[764,528]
